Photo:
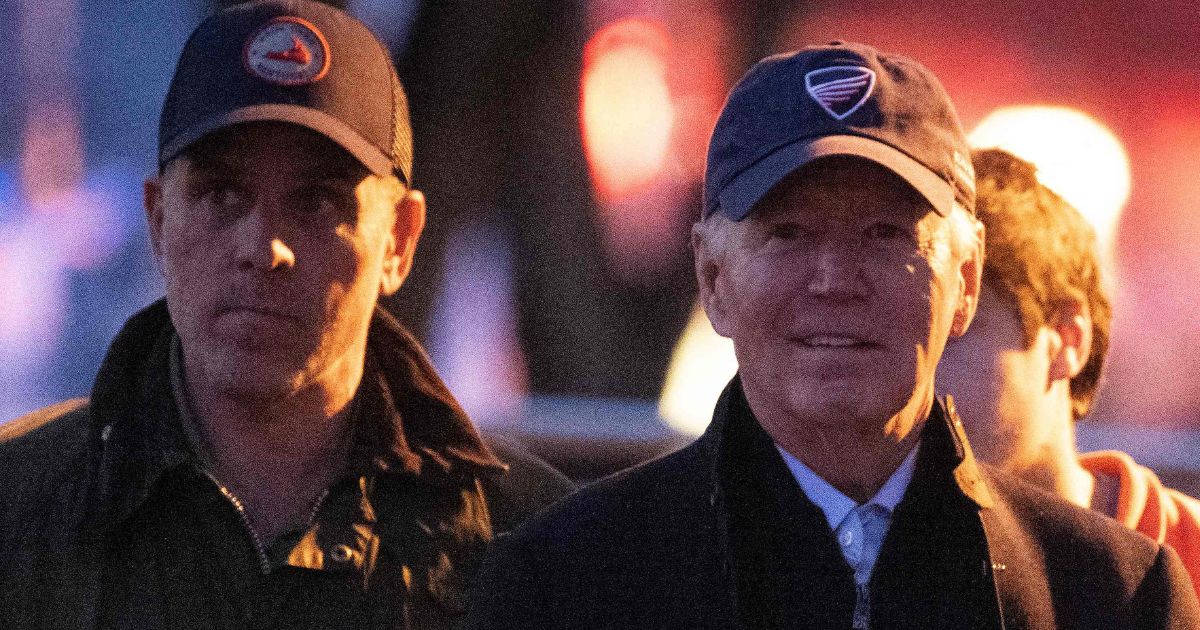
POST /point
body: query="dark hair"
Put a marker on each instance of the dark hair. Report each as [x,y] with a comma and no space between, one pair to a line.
[1040,254]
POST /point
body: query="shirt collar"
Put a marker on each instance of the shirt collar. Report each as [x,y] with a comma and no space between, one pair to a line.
[946,448]
[836,505]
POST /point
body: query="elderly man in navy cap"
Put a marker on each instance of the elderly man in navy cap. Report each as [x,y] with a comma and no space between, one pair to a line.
[265,447]
[839,251]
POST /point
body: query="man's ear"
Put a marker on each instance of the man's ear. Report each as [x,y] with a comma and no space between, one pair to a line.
[152,202]
[1073,325]
[714,298]
[402,244]
[970,283]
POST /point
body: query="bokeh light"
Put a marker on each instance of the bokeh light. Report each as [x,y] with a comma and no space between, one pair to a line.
[701,366]
[627,114]
[34,301]
[1077,157]
[474,328]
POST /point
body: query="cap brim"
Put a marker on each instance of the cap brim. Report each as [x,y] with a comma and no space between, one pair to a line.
[738,197]
[318,121]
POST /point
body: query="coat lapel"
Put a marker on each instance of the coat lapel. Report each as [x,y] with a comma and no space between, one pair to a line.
[1018,567]
[935,569]
[789,570]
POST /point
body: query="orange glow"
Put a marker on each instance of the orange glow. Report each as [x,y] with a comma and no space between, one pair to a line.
[1076,155]
[701,365]
[627,113]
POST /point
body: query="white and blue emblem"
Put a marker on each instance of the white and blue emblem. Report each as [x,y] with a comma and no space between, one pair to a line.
[840,90]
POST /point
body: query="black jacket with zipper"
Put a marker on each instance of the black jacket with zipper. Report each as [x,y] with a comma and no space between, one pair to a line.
[719,535]
[108,521]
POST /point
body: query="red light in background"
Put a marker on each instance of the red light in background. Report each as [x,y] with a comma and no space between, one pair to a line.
[653,82]
[627,113]
[48,53]
[52,152]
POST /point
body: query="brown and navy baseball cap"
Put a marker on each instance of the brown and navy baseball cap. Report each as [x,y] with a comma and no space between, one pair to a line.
[294,61]
[837,99]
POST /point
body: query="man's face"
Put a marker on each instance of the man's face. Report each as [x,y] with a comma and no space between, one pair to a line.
[275,245]
[999,385]
[839,292]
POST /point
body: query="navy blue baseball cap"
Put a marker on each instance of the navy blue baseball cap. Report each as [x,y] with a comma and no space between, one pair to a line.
[295,61]
[837,99]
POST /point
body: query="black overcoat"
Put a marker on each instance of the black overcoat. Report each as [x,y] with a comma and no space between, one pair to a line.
[107,520]
[709,537]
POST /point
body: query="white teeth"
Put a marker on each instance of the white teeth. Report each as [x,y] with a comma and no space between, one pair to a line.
[828,341]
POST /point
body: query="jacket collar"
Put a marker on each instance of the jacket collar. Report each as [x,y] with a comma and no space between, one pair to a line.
[943,438]
[137,434]
[946,474]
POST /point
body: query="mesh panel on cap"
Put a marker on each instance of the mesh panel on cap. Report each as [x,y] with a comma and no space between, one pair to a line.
[402,149]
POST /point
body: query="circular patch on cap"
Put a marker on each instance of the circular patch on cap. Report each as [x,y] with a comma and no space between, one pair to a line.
[287,51]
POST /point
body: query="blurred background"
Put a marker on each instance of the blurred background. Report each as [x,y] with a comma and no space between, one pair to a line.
[561,146]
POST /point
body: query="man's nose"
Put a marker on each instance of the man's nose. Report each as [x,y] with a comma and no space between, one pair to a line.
[262,245]
[836,271]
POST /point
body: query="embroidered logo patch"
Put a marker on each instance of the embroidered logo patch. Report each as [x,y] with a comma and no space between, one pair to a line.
[840,90]
[287,51]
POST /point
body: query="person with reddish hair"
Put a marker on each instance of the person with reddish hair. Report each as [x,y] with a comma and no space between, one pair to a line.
[1030,366]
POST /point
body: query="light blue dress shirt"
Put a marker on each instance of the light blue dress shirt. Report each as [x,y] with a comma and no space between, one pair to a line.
[859,529]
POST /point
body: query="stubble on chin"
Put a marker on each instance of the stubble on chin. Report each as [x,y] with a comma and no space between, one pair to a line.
[250,376]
